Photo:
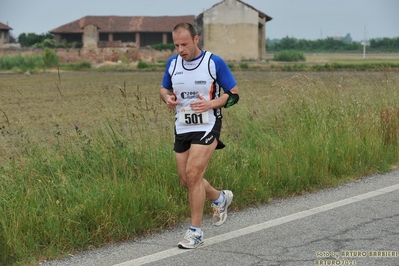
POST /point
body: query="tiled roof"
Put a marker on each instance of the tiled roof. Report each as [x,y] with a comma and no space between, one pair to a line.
[4,27]
[125,24]
[261,14]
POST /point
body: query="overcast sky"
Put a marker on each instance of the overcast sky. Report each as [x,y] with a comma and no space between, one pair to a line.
[301,19]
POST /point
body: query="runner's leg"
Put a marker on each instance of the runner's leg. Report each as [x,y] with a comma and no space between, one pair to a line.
[192,165]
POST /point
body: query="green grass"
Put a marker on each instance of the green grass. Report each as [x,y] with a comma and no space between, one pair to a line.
[21,63]
[289,56]
[280,61]
[331,62]
[75,66]
[86,158]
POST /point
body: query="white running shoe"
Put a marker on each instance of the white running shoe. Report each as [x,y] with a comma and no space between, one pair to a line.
[192,239]
[220,210]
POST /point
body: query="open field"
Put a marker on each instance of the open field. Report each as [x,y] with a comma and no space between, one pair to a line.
[86,157]
[342,58]
[350,58]
[41,101]
[314,62]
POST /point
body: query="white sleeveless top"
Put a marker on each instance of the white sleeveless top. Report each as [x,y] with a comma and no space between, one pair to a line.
[190,78]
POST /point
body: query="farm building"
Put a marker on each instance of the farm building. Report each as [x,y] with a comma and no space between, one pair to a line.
[230,28]
[4,34]
[234,30]
[117,31]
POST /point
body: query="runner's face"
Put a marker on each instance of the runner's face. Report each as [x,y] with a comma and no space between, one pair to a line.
[185,45]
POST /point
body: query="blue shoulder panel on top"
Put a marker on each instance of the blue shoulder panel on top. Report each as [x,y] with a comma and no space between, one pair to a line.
[224,76]
[167,81]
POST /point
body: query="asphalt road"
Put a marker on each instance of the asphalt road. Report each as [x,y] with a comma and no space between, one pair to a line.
[353,224]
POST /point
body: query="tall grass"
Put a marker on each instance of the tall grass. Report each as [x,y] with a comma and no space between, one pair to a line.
[20,63]
[116,180]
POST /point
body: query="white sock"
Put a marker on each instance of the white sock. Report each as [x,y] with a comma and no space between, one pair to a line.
[195,228]
[220,199]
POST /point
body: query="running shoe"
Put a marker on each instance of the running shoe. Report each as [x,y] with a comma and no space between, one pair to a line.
[220,210]
[192,239]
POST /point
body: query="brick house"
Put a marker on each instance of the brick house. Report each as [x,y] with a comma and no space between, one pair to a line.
[4,34]
[119,31]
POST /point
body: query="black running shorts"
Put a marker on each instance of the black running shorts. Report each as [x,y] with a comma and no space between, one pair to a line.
[183,141]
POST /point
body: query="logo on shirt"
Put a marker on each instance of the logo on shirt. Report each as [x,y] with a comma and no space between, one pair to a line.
[178,73]
[200,82]
[189,94]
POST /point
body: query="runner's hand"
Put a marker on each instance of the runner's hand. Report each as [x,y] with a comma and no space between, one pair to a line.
[200,106]
[172,101]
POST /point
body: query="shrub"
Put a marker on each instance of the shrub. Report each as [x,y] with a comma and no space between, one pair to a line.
[49,43]
[50,58]
[244,66]
[76,45]
[143,65]
[289,56]
[161,46]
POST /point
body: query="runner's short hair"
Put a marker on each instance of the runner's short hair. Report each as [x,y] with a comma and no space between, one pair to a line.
[186,26]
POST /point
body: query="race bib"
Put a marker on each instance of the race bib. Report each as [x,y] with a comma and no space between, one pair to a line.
[189,117]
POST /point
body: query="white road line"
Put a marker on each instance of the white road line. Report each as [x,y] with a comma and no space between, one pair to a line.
[258,227]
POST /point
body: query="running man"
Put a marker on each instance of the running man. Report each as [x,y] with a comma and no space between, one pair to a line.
[191,86]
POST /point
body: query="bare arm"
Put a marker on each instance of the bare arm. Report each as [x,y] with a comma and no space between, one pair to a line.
[168,97]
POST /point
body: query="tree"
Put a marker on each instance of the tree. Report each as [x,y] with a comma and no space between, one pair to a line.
[30,39]
[347,38]
[332,45]
[288,43]
[47,43]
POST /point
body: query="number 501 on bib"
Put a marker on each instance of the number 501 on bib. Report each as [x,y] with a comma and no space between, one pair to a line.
[189,117]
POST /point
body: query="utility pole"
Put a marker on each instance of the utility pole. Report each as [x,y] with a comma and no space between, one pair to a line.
[364,44]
